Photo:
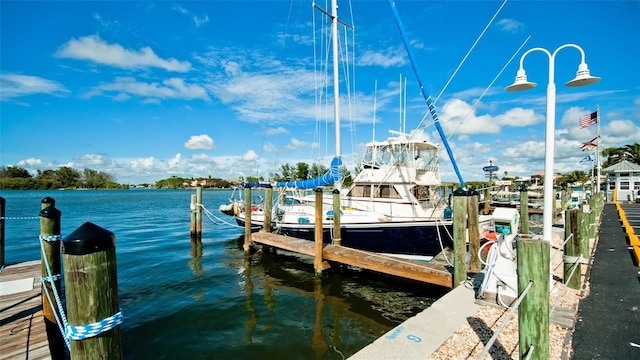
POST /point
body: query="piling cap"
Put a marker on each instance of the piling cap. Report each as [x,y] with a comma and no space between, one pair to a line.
[87,239]
[50,212]
[49,200]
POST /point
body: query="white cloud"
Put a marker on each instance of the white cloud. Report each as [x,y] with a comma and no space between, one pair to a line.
[510,25]
[199,142]
[389,57]
[175,161]
[15,85]
[250,156]
[93,48]
[201,20]
[173,88]
[89,160]
[30,163]
[277,131]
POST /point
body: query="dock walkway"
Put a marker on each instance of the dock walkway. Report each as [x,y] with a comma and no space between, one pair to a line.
[426,272]
[608,320]
[22,328]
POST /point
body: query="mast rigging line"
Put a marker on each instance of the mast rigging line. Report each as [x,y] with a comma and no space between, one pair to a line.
[427,98]
[475,104]
[469,52]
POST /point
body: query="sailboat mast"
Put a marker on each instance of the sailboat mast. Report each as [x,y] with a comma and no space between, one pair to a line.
[336,80]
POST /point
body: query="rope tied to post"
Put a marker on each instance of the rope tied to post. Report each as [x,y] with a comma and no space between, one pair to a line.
[81,332]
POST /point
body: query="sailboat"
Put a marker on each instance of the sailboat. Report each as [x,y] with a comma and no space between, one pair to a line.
[394,206]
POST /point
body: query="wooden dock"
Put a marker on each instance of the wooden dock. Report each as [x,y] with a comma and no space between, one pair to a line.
[22,328]
[421,271]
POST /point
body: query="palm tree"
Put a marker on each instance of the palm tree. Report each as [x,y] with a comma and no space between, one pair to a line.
[630,152]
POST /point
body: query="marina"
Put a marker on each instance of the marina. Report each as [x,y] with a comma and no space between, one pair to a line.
[21,309]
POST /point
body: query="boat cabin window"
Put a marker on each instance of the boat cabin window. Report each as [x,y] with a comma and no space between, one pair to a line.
[503,228]
[387,191]
[421,193]
[360,191]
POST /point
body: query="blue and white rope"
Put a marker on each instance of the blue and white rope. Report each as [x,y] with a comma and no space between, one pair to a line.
[51,238]
[81,332]
[61,320]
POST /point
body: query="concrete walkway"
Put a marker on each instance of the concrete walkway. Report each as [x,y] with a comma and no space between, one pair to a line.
[608,320]
[423,334]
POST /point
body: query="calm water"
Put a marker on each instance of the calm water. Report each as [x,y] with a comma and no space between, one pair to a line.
[181,301]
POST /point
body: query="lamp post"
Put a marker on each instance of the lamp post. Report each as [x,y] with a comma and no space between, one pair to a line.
[582,78]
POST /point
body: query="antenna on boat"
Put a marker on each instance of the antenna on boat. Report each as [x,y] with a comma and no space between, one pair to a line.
[375,108]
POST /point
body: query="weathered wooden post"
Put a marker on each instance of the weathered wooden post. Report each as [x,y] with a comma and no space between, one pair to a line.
[3,202]
[247,217]
[524,211]
[268,208]
[487,199]
[460,215]
[592,217]
[474,231]
[572,250]
[193,207]
[318,235]
[533,312]
[583,237]
[337,229]
[199,211]
[91,284]
[51,270]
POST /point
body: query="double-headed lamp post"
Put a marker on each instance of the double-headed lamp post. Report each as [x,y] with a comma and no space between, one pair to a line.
[582,78]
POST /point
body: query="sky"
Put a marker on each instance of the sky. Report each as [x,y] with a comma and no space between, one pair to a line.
[229,89]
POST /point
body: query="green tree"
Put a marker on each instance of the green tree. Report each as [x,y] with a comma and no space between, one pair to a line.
[68,177]
[317,170]
[16,172]
[302,171]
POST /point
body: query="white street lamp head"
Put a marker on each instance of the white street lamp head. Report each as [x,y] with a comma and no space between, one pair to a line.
[521,82]
[583,77]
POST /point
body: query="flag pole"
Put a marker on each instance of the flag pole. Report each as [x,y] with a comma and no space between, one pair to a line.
[597,148]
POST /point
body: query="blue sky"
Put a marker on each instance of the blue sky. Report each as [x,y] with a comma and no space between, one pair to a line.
[148,90]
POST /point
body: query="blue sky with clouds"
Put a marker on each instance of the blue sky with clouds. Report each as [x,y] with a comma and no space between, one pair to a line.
[148,90]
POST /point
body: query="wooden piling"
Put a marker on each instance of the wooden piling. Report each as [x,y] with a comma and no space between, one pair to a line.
[337,229]
[199,211]
[460,216]
[3,202]
[487,199]
[317,264]
[247,218]
[474,231]
[268,208]
[51,266]
[91,285]
[583,235]
[524,211]
[533,312]
[192,207]
[572,250]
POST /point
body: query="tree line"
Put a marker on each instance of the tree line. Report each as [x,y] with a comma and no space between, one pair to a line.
[17,178]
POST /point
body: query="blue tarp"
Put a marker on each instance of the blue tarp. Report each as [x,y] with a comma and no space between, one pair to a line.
[328,179]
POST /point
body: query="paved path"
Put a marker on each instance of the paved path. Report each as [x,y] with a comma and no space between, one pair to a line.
[608,320]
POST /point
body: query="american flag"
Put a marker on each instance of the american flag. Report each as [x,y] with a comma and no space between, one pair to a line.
[588,120]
